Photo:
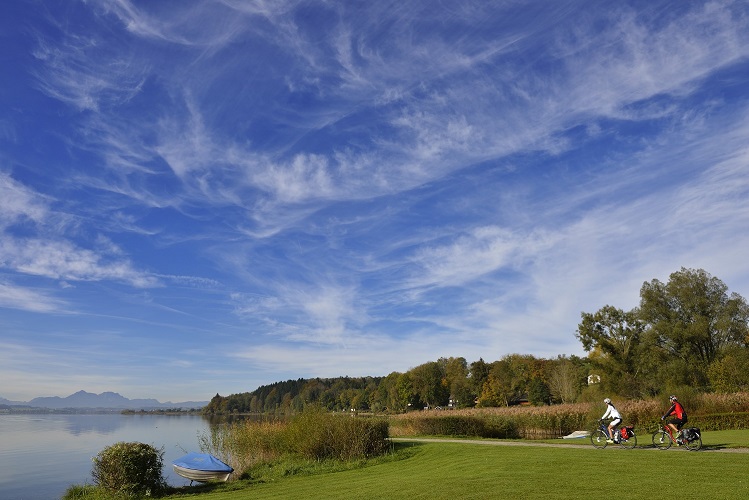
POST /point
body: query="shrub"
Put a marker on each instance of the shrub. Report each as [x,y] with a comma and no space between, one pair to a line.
[319,435]
[314,434]
[719,421]
[130,469]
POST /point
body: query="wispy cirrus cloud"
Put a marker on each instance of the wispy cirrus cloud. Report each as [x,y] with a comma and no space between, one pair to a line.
[63,260]
[306,181]
[20,203]
[44,250]
[29,299]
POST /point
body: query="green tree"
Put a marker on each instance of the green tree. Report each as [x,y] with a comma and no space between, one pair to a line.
[457,381]
[539,392]
[508,380]
[406,397]
[731,372]
[694,319]
[428,384]
[613,337]
[478,373]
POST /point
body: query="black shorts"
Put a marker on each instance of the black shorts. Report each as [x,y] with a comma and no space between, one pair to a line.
[678,422]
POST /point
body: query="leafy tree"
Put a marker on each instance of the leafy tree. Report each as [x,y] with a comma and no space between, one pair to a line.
[427,380]
[731,372]
[507,381]
[385,396]
[406,397]
[457,381]
[613,337]
[694,319]
[478,374]
[539,392]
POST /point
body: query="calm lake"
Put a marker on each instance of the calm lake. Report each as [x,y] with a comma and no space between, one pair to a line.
[41,455]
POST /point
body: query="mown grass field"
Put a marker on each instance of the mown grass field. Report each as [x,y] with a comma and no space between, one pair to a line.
[464,470]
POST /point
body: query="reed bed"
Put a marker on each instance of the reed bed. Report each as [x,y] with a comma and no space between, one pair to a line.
[707,411]
[244,444]
[313,435]
[527,422]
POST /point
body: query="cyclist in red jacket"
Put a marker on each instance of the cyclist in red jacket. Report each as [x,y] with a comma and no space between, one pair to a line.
[680,416]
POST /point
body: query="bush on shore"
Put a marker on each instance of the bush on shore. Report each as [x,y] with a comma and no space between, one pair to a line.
[124,470]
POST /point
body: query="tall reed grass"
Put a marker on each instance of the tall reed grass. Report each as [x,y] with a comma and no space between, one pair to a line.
[528,422]
[313,434]
[707,411]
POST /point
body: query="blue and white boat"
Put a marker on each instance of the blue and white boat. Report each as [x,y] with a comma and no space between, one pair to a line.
[202,467]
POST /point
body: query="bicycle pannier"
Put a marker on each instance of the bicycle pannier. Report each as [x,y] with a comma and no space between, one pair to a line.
[691,433]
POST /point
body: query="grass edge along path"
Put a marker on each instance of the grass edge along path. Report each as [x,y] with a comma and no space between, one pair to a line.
[464,470]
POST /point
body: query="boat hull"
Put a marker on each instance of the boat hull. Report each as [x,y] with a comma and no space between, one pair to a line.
[201,476]
[202,467]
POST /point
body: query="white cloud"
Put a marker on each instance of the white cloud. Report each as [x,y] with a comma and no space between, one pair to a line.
[483,250]
[62,260]
[20,203]
[27,299]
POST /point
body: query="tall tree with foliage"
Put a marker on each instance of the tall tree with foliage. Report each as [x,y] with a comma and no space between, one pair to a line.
[613,337]
[457,381]
[694,320]
[508,380]
[478,373]
[429,384]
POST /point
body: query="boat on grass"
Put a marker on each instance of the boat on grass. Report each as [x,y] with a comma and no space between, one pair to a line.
[202,467]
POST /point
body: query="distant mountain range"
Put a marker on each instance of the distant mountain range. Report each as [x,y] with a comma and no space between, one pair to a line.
[109,400]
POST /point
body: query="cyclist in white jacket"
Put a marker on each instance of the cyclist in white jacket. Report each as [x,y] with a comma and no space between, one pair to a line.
[613,414]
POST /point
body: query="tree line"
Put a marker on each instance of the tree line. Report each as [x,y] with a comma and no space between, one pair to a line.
[688,332]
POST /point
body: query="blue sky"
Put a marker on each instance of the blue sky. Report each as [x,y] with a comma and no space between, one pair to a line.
[208,196]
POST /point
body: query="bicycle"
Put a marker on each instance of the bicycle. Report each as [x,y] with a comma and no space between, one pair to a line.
[663,438]
[599,437]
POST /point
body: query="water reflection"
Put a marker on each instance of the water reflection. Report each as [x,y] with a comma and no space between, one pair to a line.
[41,455]
[109,424]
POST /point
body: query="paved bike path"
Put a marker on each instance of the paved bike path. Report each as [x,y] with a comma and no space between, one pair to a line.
[585,444]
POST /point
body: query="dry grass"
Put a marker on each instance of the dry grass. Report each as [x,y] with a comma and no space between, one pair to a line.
[709,411]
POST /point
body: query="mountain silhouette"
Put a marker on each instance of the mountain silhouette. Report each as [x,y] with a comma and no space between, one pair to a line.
[83,399]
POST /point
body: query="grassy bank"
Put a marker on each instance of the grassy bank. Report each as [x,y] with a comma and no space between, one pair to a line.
[445,470]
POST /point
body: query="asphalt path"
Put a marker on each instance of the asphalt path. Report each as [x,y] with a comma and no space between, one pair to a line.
[584,443]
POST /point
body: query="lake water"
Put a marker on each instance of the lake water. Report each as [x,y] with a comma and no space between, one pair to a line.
[42,455]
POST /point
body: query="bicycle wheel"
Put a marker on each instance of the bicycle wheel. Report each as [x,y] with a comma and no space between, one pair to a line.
[629,443]
[694,444]
[598,439]
[661,440]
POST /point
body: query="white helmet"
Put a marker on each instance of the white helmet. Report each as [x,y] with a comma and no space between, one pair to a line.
[607,401]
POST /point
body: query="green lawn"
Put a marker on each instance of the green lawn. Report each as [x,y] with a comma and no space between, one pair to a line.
[465,471]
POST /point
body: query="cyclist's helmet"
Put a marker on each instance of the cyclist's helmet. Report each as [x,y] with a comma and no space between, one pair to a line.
[607,401]
[672,398]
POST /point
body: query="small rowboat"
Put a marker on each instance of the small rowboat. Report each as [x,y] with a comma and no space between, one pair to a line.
[202,467]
